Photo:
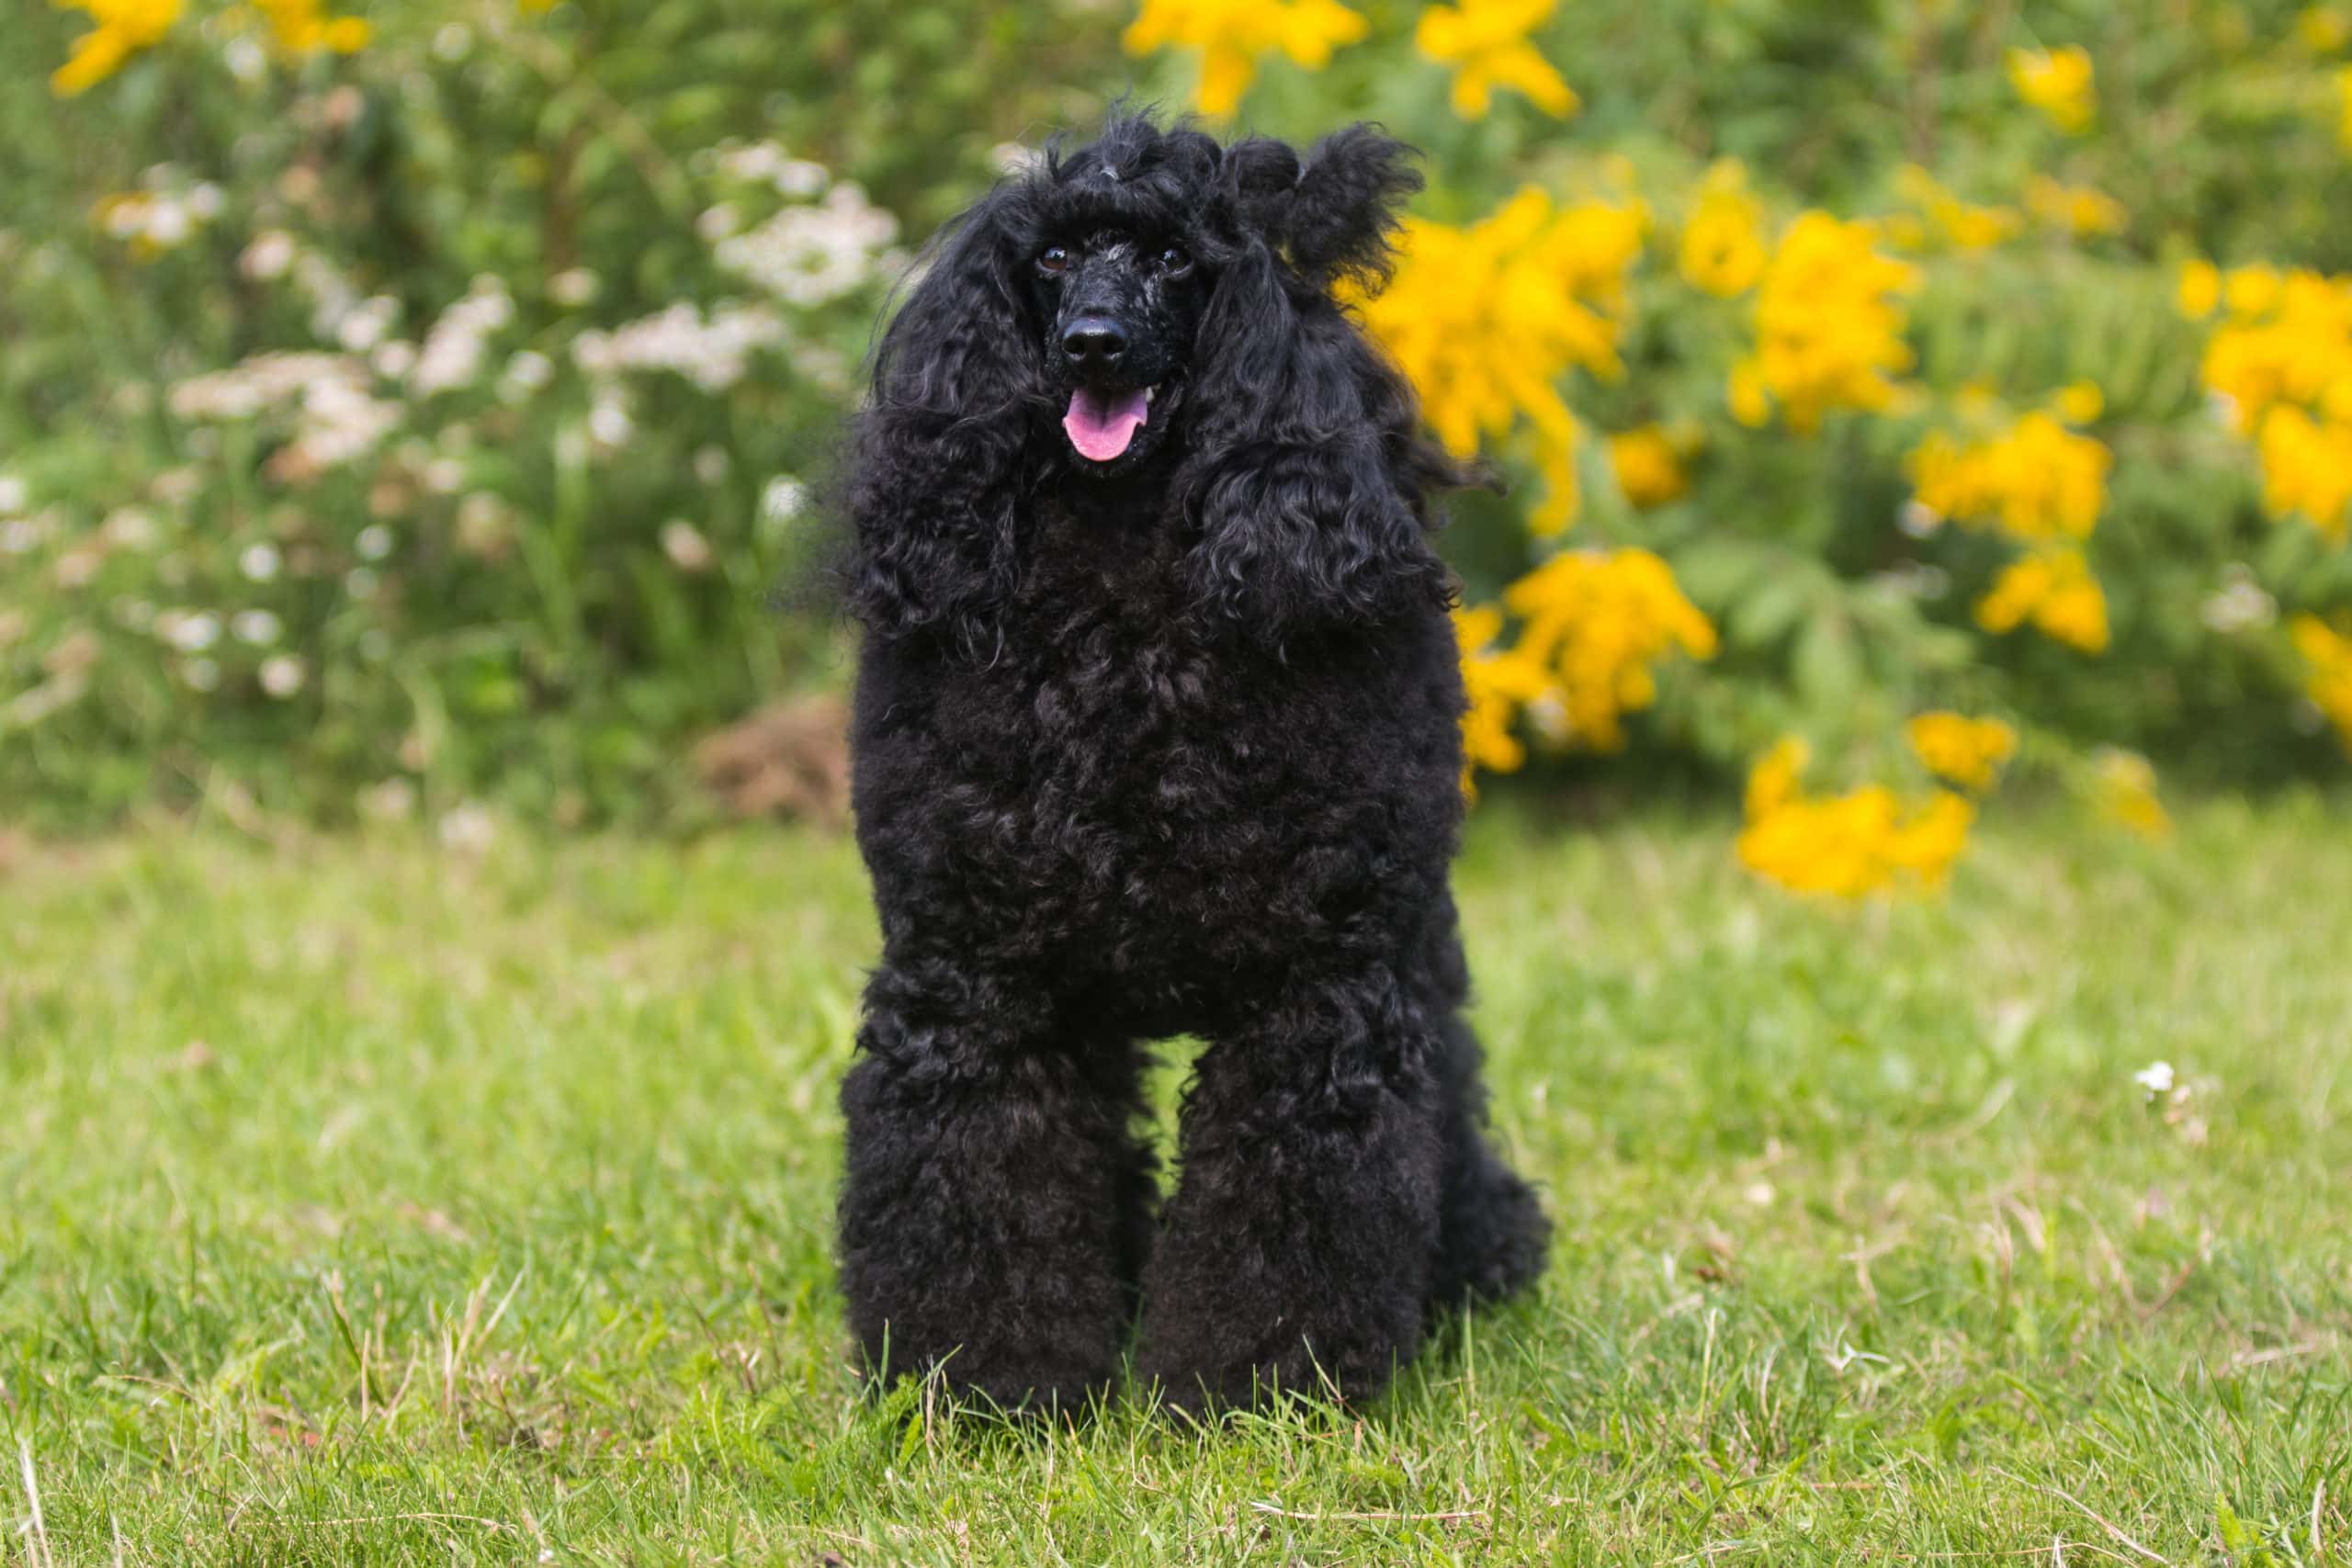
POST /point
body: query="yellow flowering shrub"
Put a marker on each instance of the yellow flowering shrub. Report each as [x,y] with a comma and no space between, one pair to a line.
[1498,684]
[121,29]
[1596,622]
[2061,83]
[2078,209]
[1722,247]
[1960,224]
[1961,751]
[1233,35]
[2054,592]
[2037,480]
[2123,785]
[1848,846]
[1829,324]
[1489,319]
[1487,44]
[1961,387]
[2328,655]
[1647,462]
[302,27]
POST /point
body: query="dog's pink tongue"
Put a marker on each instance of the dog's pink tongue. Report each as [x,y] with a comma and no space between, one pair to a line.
[1101,424]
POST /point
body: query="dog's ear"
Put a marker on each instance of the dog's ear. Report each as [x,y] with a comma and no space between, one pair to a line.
[1308,485]
[1332,216]
[936,457]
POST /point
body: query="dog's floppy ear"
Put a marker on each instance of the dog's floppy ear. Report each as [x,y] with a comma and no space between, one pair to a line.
[1308,483]
[937,458]
[1330,217]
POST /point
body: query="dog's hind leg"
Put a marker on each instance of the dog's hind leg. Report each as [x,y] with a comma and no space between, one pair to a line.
[1298,1244]
[992,1169]
[1492,1236]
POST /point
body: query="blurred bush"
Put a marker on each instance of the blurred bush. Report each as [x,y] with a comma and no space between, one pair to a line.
[415,403]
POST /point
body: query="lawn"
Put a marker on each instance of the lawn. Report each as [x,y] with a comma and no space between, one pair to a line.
[363,1200]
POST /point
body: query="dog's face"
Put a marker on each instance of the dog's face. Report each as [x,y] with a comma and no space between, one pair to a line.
[1118,306]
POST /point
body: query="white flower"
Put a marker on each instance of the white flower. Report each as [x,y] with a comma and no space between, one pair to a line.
[609,424]
[2240,604]
[190,631]
[530,370]
[395,360]
[18,535]
[716,222]
[467,829]
[259,562]
[268,256]
[202,674]
[374,542]
[281,675]
[12,493]
[808,255]
[685,547]
[573,286]
[711,463]
[359,583]
[782,499]
[255,628]
[365,325]
[246,60]
[453,42]
[1917,519]
[204,201]
[2156,1077]
[453,350]
[713,355]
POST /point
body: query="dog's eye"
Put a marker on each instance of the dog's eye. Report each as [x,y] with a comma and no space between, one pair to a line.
[1175,261]
[1053,258]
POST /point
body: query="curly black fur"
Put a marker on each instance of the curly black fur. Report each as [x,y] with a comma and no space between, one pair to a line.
[1163,744]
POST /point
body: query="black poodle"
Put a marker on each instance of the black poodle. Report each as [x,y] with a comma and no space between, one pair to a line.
[1156,732]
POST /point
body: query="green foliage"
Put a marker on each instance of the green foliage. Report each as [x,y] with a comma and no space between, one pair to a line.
[537,577]
[538,574]
[364,1204]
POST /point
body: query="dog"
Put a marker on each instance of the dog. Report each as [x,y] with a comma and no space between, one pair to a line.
[1156,732]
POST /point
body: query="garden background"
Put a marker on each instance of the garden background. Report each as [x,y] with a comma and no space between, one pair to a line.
[1928,431]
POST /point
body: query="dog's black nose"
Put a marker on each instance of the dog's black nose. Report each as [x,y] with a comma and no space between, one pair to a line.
[1094,342]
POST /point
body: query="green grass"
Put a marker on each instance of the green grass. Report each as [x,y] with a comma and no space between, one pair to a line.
[360,1203]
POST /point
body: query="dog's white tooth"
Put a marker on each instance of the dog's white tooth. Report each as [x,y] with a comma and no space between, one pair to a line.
[1149,393]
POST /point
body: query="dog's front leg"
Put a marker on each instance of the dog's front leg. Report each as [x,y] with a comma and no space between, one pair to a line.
[986,1223]
[1298,1248]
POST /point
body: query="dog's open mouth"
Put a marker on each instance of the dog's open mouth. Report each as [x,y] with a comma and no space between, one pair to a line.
[1101,424]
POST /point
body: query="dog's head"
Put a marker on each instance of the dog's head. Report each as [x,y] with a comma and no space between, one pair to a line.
[1152,304]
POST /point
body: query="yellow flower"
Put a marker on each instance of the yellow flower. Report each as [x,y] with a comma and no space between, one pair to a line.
[1648,463]
[1829,326]
[2059,82]
[2079,403]
[2323,28]
[1596,621]
[1497,685]
[1967,227]
[298,27]
[1234,35]
[2329,685]
[2040,480]
[1959,750]
[2055,591]
[2200,288]
[2125,789]
[1487,319]
[2307,469]
[1722,243]
[1850,845]
[2079,209]
[1485,42]
[122,28]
